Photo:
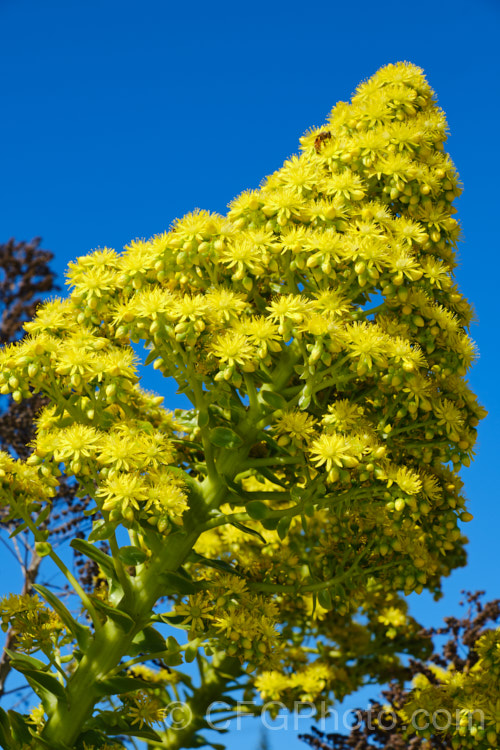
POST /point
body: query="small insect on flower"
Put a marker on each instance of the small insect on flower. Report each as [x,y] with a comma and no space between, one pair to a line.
[320,139]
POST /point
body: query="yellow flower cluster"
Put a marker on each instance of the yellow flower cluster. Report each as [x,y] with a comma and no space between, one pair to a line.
[234,619]
[471,699]
[306,684]
[35,625]
[129,464]
[319,334]
[23,485]
[394,618]
[143,709]
[345,254]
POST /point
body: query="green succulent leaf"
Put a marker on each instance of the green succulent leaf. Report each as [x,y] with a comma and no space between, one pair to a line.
[101,531]
[248,530]
[224,437]
[283,526]
[325,599]
[19,728]
[221,565]
[81,632]
[257,510]
[178,583]
[22,661]
[132,555]
[122,619]
[98,556]
[119,685]
[148,640]
[276,400]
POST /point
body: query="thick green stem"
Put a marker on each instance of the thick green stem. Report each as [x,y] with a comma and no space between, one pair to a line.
[203,411]
[216,676]
[110,644]
[120,570]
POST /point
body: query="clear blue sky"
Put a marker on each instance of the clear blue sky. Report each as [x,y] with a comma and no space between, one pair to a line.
[119,116]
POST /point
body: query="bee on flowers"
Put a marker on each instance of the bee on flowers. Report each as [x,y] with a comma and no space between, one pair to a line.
[321,138]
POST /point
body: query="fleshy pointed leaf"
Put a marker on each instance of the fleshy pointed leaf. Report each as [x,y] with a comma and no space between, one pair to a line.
[101,530]
[149,641]
[177,583]
[257,509]
[325,599]
[271,524]
[132,555]
[172,645]
[276,400]
[81,632]
[283,526]
[119,685]
[45,681]
[121,618]
[25,661]
[223,437]
[22,527]
[191,651]
[5,734]
[47,687]
[248,530]
[221,565]
[19,728]
[98,556]
[172,660]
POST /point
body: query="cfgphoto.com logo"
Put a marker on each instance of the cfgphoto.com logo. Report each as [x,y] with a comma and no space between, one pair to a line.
[275,716]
